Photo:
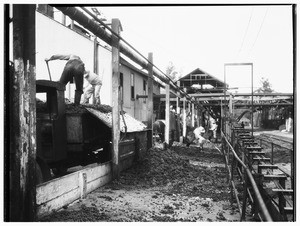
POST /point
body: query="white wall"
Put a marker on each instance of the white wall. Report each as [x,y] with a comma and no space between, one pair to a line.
[55,38]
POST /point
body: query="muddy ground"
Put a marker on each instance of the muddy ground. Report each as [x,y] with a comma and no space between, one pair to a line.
[178,184]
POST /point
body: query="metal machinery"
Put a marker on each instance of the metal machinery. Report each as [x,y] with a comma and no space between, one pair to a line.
[67,138]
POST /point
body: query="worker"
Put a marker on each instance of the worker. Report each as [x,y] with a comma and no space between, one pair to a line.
[196,136]
[73,70]
[213,127]
[95,83]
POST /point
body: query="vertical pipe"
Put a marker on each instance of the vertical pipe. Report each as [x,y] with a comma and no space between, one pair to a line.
[167,126]
[150,100]
[115,97]
[22,109]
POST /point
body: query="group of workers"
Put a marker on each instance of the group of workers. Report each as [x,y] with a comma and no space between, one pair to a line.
[74,70]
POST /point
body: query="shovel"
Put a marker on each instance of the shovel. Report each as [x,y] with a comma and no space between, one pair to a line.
[48,70]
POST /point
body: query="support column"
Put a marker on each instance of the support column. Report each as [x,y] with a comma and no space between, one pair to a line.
[184,116]
[178,112]
[22,118]
[95,66]
[198,119]
[150,100]
[116,27]
[178,100]
[193,114]
[63,19]
[167,126]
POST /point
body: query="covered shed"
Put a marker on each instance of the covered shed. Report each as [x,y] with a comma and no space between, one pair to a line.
[199,81]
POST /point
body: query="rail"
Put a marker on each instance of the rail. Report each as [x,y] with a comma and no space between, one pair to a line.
[273,145]
[258,197]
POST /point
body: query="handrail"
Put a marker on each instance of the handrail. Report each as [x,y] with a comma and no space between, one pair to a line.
[257,194]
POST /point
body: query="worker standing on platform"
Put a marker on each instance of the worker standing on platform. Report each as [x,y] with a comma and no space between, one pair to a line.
[95,83]
[74,69]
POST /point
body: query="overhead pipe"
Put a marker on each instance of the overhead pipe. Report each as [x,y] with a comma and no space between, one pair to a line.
[94,27]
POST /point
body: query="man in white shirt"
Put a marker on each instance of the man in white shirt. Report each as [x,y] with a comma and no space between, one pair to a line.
[196,136]
[95,83]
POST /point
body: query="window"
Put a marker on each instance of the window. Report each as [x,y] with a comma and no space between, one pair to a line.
[46,9]
[121,87]
[132,85]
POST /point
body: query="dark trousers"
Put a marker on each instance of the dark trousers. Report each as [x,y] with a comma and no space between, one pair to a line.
[74,69]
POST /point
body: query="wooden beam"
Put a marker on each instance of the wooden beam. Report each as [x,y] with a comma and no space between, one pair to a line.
[53,195]
[150,100]
[115,97]
[22,123]
[167,126]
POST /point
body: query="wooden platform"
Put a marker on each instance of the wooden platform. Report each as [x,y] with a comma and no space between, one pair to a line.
[57,193]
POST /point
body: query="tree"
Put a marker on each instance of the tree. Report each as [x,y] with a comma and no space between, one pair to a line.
[265,86]
[171,71]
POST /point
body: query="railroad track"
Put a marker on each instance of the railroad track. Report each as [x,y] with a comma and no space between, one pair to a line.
[278,141]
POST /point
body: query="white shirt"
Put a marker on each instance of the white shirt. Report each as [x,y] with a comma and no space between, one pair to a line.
[198,132]
[93,78]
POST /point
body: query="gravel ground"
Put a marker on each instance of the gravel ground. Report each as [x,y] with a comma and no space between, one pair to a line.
[178,184]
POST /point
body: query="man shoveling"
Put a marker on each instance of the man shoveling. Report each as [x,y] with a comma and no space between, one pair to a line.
[74,69]
[196,136]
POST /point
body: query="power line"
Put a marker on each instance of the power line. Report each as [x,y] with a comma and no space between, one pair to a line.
[259,31]
[246,31]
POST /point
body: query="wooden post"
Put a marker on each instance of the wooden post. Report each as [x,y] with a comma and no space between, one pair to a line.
[95,66]
[115,97]
[178,100]
[22,115]
[193,114]
[184,116]
[167,126]
[272,153]
[178,112]
[199,116]
[72,24]
[150,100]
[63,19]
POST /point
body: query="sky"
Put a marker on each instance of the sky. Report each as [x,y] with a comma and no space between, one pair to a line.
[208,37]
